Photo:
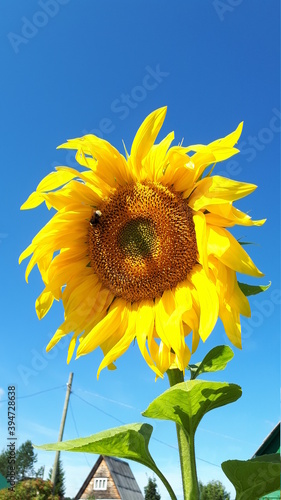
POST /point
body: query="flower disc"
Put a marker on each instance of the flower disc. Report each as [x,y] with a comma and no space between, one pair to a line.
[142,241]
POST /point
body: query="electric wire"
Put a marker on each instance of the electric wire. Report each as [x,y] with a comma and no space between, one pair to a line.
[153,438]
[101,411]
[97,408]
[76,429]
[34,393]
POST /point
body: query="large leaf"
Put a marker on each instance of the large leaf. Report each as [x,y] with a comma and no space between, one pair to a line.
[253,289]
[254,478]
[214,361]
[128,441]
[186,403]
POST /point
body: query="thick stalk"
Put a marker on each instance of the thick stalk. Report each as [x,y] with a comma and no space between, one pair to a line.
[165,482]
[186,450]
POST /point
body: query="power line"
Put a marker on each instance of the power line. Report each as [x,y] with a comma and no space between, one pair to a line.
[76,429]
[102,411]
[124,423]
[34,393]
[99,409]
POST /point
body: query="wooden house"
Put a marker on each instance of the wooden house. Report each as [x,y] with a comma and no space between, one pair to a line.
[110,479]
[271,444]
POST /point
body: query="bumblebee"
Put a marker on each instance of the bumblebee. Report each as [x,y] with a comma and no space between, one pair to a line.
[95,217]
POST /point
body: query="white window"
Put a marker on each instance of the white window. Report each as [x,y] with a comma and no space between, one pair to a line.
[100,483]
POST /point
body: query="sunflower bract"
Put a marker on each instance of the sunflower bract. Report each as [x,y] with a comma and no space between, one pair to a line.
[139,247]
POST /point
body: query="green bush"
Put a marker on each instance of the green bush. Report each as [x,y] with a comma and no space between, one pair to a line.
[30,489]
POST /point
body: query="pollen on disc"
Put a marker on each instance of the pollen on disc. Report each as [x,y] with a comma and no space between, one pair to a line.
[144,242]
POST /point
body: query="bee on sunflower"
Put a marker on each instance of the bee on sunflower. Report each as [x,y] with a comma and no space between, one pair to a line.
[139,247]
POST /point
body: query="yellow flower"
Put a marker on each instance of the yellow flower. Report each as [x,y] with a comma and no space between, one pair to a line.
[138,247]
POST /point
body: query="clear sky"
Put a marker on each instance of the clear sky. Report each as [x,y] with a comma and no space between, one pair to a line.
[70,68]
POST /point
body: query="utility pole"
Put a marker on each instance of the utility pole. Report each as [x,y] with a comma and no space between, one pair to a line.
[55,467]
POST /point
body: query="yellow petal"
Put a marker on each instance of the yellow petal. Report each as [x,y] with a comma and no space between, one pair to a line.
[123,344]
[39,254]
[61,332]
[229,141]
[168,322]
[180,169]
[74,191]
[232,326]
[145,137]
[144,330]
[43,303]
[27,252]
[33,201]
[161,355]
[208,299]
[81,296]
[201,159]
[195,341]
[110,164]
[181,364]
[103,329]
[238,300]
[182,294]
[216,190]
[154,161]
[216,151]
[227,216]
[227,249]
[71,347]
[55,180]
[201,238]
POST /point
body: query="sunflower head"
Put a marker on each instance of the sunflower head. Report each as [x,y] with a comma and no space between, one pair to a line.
[139,247]
[144,241]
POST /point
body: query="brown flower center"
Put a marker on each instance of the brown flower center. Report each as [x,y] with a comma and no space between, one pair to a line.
[142,241]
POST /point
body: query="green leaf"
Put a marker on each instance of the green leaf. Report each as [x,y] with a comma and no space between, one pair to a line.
[242,243]
[186,403]
[253,289]
[254,478]
[127,441]
[214,361]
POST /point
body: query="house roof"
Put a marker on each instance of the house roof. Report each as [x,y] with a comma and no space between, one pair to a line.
[3,483]
[122,476]
[124,479]
[271,444]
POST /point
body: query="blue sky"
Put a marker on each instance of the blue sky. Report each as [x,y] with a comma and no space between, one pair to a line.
[70,68]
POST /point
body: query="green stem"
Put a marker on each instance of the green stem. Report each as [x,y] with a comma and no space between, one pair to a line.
[165,482]
[186,449]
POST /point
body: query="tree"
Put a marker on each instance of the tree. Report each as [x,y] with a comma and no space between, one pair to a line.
[214,490]
[4,457]
[59,481]
[150,491]
[25,460]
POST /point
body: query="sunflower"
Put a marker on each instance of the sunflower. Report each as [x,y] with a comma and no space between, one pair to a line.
[139,247]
